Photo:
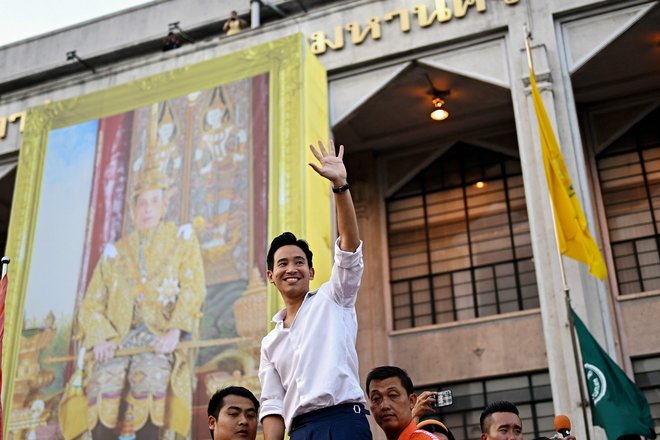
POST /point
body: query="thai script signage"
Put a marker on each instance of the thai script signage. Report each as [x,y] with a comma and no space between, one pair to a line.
[6,120]
[420,15]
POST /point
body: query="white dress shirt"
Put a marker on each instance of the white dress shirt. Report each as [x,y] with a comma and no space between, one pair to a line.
[313,364]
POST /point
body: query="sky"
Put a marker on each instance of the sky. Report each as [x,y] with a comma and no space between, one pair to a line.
[27,18]
[61,221]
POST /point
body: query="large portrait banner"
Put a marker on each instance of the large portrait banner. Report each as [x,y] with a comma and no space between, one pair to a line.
[138,238]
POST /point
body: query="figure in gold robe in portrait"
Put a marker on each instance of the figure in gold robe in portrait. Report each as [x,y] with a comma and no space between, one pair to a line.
[147,290]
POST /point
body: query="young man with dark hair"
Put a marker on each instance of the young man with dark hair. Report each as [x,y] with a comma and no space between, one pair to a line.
[501,421]
[286,239]
[309,365]
[390,391]
[232,414]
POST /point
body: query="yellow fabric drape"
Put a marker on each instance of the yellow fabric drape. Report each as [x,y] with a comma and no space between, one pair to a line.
[573,235]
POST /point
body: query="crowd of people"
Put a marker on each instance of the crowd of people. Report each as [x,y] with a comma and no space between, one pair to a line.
[311,390]
[233,412]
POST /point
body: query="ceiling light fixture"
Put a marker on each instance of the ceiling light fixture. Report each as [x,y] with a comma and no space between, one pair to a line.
[438,113]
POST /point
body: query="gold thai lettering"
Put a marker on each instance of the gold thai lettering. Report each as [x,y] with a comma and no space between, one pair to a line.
[5,121]
[358,35]
[404,18]
[461,6]
[441,13]
[426,17]
[20,115]
[320,43]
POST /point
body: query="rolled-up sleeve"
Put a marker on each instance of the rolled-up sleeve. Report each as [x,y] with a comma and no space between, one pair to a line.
[346,275]
[272,392]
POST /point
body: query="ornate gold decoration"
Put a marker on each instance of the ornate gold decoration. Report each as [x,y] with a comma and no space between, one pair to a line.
[152,173]
[249,311]
[31,409]
[251,308]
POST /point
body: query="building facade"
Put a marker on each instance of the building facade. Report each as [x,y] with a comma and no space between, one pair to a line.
[463,286]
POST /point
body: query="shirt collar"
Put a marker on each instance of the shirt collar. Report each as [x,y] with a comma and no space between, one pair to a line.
[279,316]
[412,427]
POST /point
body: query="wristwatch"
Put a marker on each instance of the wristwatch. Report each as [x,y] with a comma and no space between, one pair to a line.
[341,189]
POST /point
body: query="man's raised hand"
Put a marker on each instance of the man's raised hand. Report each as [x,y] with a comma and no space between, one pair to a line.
[331,164]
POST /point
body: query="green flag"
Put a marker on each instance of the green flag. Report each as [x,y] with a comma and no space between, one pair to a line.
[617,405]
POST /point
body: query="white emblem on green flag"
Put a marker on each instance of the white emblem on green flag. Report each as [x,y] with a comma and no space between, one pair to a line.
[596,382]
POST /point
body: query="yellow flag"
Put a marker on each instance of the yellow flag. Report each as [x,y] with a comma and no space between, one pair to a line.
[573,235]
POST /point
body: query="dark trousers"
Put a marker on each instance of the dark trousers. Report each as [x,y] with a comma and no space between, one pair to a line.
[347,421]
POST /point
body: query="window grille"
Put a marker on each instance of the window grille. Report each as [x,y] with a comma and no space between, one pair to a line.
[459,242]
[629,173]
[530,393]
[647,378]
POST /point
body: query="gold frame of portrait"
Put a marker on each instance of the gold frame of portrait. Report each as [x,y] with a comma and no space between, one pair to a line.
[299,201]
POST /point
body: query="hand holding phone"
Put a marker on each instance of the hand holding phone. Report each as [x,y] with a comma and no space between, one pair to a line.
[443,398]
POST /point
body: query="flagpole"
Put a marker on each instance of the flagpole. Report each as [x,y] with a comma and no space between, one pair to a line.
[5,265]
[567,295]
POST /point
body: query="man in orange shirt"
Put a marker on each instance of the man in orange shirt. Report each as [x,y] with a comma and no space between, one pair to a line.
[390,391]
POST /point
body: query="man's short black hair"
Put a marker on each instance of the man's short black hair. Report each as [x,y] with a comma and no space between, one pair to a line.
[286,239]
[218,400]
[494,407]
[387,371]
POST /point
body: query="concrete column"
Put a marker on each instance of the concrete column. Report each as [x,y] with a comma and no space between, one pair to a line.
[563,369]
[373,299]
[373,345]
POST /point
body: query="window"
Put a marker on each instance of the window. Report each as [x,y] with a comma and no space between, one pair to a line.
[629,173]
[647,377]
[459,240]
[531,393]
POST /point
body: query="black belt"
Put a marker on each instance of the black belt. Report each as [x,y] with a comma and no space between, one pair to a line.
[342,408]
